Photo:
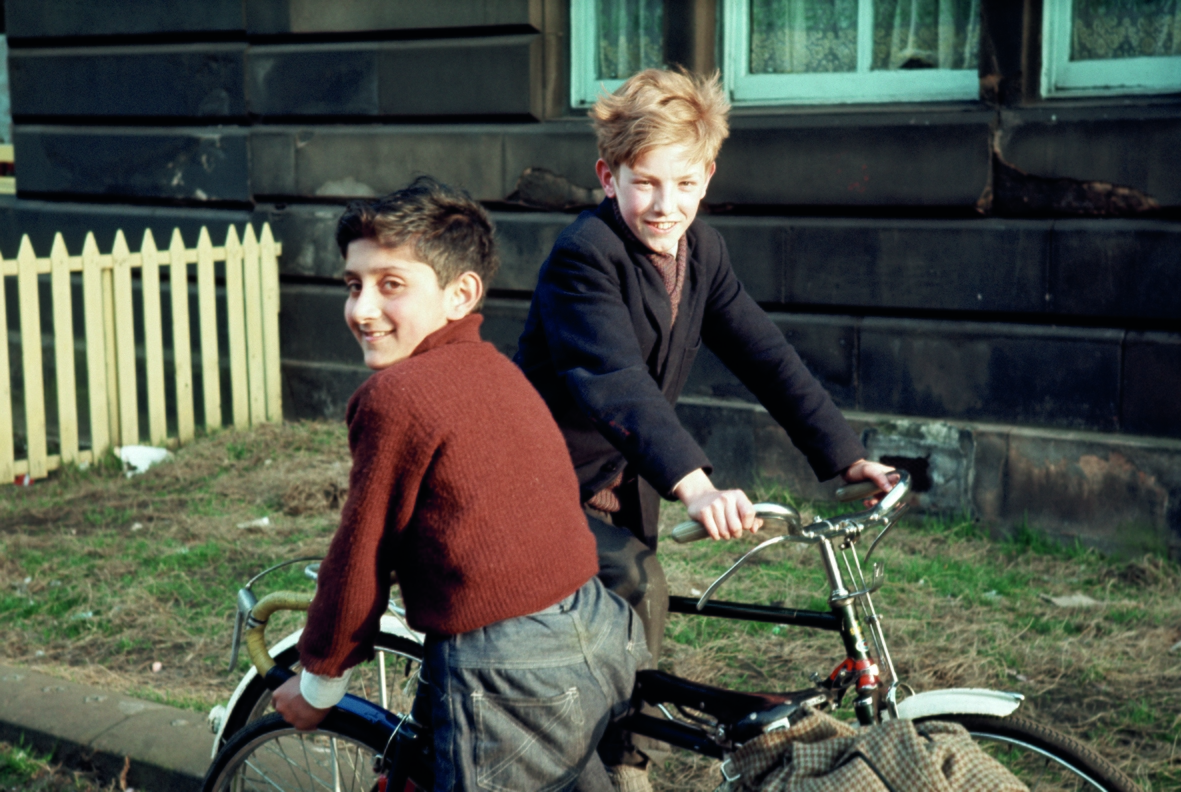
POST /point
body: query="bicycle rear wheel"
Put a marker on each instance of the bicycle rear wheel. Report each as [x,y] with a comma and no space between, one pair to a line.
[269,755]
[402,660]
[1043,759]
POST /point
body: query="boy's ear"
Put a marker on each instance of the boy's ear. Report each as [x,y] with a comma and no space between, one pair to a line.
[463,295]
[606,177]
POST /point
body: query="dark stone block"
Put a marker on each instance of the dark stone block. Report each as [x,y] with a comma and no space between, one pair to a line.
[308,234]
[756,252]
[1113,493]
[879,159]
[567,148]
[359,162]
[465,76]
[478,76]
[1151,382]
[1019,373]
[189,164]
[1116,268]
[525,241]
[1131,146]
[313,79]
[60,18]
[824,343]
[982,265]
[504,319]
[312,327]
[181,81]
[272,162]
[40,220]
[728,437]
[319,391]
[315,16]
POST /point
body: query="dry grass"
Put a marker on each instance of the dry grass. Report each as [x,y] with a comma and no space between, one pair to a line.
[101,576]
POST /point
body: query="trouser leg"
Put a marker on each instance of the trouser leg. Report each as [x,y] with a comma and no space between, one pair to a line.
[629,568]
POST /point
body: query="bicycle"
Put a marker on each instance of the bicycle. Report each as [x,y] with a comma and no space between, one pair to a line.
[363,743]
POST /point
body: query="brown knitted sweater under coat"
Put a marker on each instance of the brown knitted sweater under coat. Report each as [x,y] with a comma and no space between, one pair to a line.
[462,485]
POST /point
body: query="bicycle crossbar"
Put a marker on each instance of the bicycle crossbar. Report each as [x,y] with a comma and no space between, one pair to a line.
[816,620]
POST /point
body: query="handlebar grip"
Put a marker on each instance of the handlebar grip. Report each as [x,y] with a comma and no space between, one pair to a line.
[689,531]
[852,492]
[253,637]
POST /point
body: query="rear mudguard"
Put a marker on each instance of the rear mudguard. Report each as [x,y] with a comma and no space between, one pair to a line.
[959,701]
[218,717]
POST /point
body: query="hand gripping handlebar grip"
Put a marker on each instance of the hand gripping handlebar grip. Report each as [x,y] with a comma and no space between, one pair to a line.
[691,531]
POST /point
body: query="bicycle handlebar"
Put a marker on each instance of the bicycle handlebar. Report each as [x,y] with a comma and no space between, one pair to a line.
[256,625]
[854,523]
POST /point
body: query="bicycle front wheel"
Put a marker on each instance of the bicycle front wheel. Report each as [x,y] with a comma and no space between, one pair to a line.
[269,755]
[391,680]
[1043,759]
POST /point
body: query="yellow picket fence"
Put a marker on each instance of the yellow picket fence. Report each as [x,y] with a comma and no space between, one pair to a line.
[251,294]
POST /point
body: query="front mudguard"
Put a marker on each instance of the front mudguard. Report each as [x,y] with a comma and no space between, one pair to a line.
[959,701]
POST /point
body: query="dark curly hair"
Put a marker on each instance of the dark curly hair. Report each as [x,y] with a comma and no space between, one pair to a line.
[450,231]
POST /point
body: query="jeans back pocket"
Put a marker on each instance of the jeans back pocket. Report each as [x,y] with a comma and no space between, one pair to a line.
[528,743]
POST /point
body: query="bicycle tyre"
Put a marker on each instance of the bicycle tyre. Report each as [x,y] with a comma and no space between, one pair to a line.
[255,701]
[1042,758]
[270,755]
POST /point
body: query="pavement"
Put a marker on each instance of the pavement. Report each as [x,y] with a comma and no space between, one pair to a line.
[88,727]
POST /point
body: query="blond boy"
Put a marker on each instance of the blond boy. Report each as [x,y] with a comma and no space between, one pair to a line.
[622,304]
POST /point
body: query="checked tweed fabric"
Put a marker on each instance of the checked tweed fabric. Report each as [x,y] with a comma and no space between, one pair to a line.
[822,754]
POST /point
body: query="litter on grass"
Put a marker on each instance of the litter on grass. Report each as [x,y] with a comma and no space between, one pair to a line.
[137,459]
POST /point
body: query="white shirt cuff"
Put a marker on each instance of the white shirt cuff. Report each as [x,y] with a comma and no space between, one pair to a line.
[323,692]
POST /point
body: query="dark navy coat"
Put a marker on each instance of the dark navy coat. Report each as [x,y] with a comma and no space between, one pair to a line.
[598,347]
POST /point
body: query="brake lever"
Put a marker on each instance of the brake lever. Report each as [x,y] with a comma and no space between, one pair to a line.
[891,520]
[737,564]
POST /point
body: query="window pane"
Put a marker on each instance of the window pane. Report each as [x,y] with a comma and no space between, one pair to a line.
[803,36]
[1105,29]
[631,37]
[926,34]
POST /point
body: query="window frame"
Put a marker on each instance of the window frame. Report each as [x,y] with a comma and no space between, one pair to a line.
[584,34]
[1062,77]
[861,86]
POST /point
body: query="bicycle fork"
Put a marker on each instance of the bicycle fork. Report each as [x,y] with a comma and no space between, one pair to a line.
[859,663]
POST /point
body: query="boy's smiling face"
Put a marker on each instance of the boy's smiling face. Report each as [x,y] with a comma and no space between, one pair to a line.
[658,194]
[395,300]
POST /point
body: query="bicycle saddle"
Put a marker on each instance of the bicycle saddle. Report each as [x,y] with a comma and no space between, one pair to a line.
[730,707]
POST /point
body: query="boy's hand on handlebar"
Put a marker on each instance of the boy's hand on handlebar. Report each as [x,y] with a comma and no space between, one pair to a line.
[290,703]
[879,474]
[723,513]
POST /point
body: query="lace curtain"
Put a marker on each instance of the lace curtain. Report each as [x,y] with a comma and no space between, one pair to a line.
[631,37]
[1106,29]
[808,36]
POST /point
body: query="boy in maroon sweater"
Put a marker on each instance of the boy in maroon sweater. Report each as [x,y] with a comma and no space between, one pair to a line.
[463,488]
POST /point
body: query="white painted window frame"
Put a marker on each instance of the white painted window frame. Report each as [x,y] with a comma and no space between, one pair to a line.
[1062,77]
[861,86]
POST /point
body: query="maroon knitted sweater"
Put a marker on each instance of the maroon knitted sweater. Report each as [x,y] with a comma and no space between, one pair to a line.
[462,485]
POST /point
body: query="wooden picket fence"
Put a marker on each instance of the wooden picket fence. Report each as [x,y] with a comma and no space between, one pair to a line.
[251,287]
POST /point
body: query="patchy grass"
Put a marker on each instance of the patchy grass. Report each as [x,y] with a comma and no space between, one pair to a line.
[24,770]
[101,576]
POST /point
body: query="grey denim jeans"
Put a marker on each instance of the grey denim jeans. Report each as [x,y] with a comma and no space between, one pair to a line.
[519,705]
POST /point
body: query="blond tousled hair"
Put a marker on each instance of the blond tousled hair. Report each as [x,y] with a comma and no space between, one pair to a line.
[658,107]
